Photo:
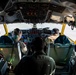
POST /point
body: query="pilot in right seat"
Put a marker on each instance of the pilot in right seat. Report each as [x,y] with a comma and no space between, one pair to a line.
[54,34]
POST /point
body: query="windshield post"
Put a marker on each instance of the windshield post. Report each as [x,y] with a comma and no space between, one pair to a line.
[34,25]
[6,29]
[63,28]
[75,42]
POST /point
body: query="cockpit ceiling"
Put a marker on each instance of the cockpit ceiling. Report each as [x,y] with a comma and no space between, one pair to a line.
[3,3]
[36,11]
[73,1]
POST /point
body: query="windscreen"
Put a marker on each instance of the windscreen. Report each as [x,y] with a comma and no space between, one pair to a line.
[2,30]
[24,26]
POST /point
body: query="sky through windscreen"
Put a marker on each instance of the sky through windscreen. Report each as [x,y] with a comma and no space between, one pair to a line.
[70,33]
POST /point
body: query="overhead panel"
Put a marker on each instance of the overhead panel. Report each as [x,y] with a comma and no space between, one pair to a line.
[72,1]
[3,4]
[56,8]
[34,0]
[35,11]
[57,17]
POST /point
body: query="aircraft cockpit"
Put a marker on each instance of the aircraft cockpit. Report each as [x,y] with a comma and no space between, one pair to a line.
[35,18]
[29,33]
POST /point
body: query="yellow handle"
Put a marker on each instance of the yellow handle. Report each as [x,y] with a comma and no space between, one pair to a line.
[75,42]
[6,29]
[63,28]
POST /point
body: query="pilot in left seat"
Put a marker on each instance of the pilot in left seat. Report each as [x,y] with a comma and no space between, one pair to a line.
[17,34]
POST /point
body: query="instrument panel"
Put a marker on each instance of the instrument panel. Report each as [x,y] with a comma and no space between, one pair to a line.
[29,35]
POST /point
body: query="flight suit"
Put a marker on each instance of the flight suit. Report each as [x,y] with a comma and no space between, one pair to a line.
[36,64]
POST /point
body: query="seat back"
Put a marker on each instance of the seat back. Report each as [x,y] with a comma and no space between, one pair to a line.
[6,40]
[61,53]
[8,50]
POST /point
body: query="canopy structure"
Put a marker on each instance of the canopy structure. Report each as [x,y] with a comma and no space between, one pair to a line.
[37,11]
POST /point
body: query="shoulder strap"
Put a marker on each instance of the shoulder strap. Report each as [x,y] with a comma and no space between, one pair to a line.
[68,52]
[12,52]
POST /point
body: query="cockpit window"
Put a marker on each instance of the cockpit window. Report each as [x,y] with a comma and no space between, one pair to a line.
[2,30]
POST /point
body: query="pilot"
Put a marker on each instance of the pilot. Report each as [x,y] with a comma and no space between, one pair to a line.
[54,34]
[36,64]
[17,34]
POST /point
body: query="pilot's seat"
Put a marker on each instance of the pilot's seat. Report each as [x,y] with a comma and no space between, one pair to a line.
[6,40]
[61,53]
[9,51]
